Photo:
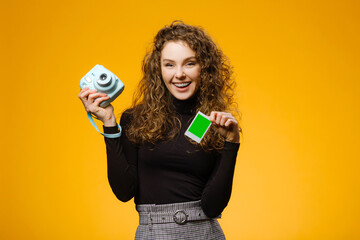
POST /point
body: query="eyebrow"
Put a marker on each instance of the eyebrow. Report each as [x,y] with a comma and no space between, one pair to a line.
[186,59]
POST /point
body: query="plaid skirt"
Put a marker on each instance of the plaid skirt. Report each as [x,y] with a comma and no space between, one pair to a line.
[177,221]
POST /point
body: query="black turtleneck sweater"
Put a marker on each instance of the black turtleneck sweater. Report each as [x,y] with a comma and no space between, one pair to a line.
[172,171]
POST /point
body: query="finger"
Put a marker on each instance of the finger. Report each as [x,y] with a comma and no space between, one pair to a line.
[223,119]
[100,100]
[218,118]
[212,116]
[82,90]
[84,94]
[93,96]
[230,122]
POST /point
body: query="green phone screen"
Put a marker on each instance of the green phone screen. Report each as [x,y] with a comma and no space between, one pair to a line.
[199,126]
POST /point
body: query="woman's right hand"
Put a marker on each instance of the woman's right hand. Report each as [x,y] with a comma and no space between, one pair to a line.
[91,100]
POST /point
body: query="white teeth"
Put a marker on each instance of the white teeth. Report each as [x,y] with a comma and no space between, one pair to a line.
[181,85]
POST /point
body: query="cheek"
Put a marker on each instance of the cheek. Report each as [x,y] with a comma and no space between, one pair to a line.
[163,75]
[166,75]
[195,74]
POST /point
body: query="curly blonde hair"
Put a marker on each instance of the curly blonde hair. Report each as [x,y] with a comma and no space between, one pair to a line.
[153,114]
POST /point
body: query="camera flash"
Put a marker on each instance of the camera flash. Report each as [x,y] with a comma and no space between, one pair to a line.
[88,79]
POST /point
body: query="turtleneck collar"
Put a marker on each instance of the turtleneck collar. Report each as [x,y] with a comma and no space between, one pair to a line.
[187,106]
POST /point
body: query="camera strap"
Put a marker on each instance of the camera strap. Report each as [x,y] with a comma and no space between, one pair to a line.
[108,135]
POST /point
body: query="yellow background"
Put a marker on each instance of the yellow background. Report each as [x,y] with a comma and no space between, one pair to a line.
[297,65]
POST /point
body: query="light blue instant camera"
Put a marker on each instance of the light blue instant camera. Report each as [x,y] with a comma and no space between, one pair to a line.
[104,81]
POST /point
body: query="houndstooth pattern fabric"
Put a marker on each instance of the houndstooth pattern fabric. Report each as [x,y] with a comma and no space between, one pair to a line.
[160,227]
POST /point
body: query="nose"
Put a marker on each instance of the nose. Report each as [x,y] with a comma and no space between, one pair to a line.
[180,74]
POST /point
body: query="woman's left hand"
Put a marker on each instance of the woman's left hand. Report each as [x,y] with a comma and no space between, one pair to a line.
[226,125]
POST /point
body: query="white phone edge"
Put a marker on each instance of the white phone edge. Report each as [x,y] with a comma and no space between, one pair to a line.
[192,136]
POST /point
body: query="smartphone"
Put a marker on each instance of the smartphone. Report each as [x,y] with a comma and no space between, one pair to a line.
[198,127]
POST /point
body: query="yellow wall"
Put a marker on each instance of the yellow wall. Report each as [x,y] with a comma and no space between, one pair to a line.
[297,65]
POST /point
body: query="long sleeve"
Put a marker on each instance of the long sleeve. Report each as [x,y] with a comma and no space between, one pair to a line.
[217,191]
[122,163]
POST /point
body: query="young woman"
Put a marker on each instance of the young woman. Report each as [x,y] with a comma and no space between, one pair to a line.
[180,187]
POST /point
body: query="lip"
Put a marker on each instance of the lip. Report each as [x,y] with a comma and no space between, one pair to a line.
[181,89]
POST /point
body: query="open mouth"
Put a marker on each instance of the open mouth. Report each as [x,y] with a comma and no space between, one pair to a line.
[182,85]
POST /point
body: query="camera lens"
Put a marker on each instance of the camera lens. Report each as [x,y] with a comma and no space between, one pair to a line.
[103,76]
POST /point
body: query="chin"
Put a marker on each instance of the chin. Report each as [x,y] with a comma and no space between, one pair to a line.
[182,96]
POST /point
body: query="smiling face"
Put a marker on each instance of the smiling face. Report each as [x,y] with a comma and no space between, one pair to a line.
[180,70]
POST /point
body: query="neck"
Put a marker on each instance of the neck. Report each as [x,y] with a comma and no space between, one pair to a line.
[187,106]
